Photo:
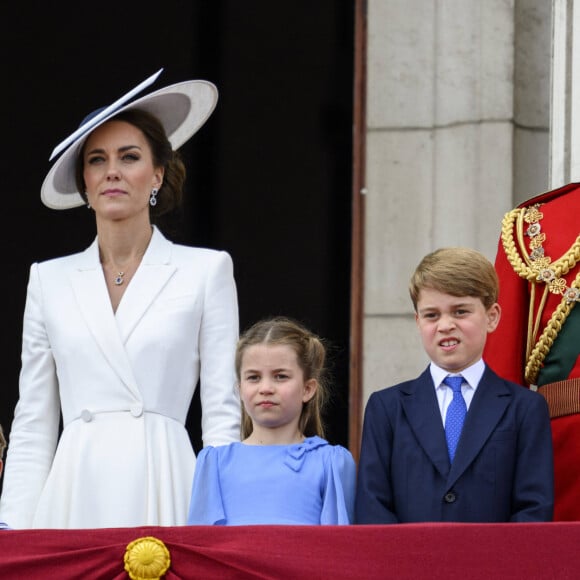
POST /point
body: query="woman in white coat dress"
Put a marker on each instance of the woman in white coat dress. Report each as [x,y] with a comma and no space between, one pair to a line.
[116,337]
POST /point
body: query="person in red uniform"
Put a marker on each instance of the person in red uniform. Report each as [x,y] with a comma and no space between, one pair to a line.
[537,342]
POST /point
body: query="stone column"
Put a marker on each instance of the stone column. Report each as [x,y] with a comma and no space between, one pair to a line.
[565,94]
[439,150]
[533,45]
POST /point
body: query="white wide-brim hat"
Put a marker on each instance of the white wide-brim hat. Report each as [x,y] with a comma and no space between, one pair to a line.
[181,108]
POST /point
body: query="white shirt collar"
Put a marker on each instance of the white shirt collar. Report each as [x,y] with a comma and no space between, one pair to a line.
[472,374]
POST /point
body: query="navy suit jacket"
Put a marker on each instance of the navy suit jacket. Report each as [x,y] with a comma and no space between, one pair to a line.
[503,467]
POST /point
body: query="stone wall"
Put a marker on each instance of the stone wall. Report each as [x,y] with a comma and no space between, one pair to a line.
[457,133]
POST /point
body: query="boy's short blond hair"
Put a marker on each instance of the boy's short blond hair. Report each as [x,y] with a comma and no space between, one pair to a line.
[458,272]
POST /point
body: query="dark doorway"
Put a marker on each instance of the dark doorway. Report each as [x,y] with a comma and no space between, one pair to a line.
[269,175]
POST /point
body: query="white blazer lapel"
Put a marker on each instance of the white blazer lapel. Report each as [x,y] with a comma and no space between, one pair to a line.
[92,297]
[152,275]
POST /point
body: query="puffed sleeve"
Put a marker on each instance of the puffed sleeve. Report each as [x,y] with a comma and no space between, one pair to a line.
[34,432]
[338,499]
[206,507]
[217,343]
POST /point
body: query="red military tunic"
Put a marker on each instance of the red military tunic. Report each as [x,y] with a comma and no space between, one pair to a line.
[537,342]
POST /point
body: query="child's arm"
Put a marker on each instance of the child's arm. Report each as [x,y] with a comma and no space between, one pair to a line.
[533,492]
[374,497]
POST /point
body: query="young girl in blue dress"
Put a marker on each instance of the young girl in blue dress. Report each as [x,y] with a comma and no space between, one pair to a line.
[283,471]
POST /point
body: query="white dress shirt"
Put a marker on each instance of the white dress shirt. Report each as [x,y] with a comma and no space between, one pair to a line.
[471,377]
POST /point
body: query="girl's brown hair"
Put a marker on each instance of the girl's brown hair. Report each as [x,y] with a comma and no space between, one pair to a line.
[311,354]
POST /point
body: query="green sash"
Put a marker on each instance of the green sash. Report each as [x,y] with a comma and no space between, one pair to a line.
[564,352]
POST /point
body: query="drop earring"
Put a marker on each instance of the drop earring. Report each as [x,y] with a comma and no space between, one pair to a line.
[153,197]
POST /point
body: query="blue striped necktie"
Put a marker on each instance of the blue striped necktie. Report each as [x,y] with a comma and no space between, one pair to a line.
[455,415]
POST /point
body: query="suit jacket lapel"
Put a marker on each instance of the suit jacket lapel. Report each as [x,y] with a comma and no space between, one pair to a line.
[489,404]
[152,275]
[92,297]
[420,406]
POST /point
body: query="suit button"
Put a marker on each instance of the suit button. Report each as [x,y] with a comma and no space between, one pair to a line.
[450,497]
[86,416]
[136,410]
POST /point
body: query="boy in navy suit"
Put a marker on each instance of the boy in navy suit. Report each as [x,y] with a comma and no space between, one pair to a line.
[472,448]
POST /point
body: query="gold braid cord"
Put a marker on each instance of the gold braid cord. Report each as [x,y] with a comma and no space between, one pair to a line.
[537,268]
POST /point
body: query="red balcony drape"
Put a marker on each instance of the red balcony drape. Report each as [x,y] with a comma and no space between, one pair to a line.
[414,551]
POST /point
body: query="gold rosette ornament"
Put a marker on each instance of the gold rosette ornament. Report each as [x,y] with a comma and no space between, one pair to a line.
[147,559]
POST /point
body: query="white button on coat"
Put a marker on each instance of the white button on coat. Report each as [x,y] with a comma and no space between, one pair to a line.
[86,416]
